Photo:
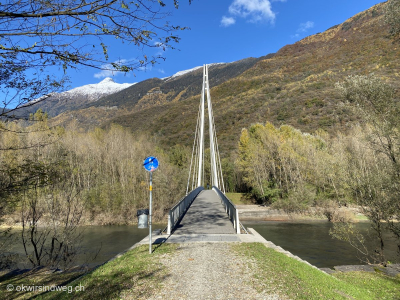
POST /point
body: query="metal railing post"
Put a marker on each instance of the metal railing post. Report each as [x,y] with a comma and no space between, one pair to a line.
[169,224]
[230,209]
[179,209]
[237,222]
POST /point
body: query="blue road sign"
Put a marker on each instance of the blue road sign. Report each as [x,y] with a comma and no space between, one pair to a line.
[150,163]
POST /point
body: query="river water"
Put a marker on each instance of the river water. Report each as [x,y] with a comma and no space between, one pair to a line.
[311,241]
[98,243]
[308,240]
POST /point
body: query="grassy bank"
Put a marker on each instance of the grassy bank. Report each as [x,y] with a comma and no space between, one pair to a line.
[134,275]
[262,213]
[137,275]
[300,281]
[240,198]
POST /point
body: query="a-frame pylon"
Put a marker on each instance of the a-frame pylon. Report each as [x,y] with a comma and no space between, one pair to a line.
[197,162]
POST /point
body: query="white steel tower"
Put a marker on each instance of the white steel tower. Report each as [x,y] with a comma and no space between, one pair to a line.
[196,172]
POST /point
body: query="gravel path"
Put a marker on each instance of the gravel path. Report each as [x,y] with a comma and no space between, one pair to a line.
[210,271]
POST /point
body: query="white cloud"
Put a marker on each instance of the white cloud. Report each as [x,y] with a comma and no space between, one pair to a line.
[161,71]
[227,21]
[162,48]
[305,26]
[107,70]
[104,74]
[160,45]
[253,10]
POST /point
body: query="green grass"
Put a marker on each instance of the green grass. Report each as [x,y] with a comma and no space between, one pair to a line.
[300,281]
[239,198]
[378,285]
[135,275]
[361,218]
[42,277]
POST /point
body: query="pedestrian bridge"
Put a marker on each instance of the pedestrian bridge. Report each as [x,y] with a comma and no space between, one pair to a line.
[204,211]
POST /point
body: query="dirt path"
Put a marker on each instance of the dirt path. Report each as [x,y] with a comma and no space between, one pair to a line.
[210,271]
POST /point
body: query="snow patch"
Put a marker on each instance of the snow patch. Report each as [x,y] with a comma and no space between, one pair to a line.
[92,91]
[180,73]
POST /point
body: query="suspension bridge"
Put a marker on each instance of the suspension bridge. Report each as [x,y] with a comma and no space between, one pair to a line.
[204,211]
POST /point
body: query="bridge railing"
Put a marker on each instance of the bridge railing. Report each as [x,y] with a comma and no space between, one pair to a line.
[230,209]
[178,210]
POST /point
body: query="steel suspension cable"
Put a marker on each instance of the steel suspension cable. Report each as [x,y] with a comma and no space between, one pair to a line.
[197,159]
[219,160]
[193,150]
[216,151]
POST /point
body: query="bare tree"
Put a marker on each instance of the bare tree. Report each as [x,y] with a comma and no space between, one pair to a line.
[374,156]
[51,215]
[37,36]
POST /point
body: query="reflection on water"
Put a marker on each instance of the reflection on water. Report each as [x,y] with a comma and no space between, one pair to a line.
[111,240]
[107,241]
[311,241]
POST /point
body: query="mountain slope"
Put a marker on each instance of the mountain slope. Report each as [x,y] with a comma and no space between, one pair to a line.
[181,85]
[153,92]
[295,86]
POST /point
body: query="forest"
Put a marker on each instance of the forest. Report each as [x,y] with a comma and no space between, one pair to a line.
[295,171]
[100,170]
[55,180]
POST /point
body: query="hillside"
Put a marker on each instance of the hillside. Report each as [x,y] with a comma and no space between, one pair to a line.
[295,86]
[152,93]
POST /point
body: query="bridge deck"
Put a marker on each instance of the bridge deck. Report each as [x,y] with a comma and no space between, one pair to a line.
[206,215]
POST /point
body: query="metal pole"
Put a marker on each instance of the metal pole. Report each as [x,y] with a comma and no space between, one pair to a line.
[214,176]
[169,224]
[151,194]
[201,144]
[237,222]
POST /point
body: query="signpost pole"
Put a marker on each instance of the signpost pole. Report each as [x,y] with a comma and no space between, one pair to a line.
[150,164]
[151,194]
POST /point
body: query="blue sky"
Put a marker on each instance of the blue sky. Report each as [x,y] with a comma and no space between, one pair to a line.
[230,30]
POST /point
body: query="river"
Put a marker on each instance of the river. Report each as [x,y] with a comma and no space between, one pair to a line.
[98,243]
[308,240]
[311,241]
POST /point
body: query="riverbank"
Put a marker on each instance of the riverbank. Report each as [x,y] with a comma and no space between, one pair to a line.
[248,211]
[251,212]
[217,270]
[205,270]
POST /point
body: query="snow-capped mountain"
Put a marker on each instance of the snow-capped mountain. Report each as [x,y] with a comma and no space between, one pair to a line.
[184,72]
[103,100]
[75,98]
[93,92]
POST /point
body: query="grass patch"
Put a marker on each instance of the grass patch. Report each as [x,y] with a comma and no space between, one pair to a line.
[360,217]
[300,281]
[383,287]
[240,198]
[135,275]
[37,277]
